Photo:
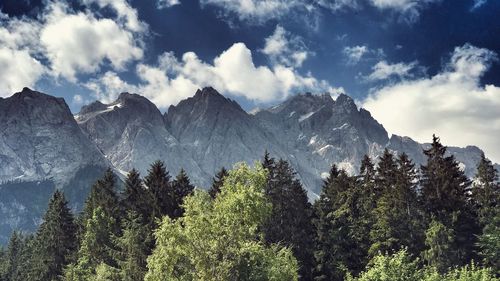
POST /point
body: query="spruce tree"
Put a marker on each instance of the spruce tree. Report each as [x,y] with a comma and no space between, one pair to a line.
[486,196]
[340,245]
[55,240]
[161,196]
[135,196]
[486,190]
[290,223]
[15,257]
[133,248]
[396,215]
[97,247]
[446,198]
[182,188]
[217,182]
[103,195]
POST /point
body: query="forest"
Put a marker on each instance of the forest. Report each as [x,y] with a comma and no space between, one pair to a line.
[392,221]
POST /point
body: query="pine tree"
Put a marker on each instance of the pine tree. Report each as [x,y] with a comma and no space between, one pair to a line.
[217,182]
[103,195]
[396,212]
[55,240]
[446,198]
[486,190]
[182,188]
[14,257]
[134,248]
[160,191]
[135,197]
[290,221]
[339,243]
[486,196]
[97,247]
[441,252]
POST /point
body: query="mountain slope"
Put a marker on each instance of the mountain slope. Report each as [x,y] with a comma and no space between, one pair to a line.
[40,139]
[131,133]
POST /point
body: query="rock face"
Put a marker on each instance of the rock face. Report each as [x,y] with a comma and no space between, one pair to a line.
[316,131]
[131,133]
[217,133]
[41,148]
[39,139]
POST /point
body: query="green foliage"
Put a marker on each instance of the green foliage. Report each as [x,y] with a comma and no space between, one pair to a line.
[97,247]
[341,227]
[489,243]
[290,222]
[440,251]
[135,197]
[218,239]
[217,182]
[395,267]
[161,196]
[133,248]
[55,241]
[103,195]
[397,219]
[446,198]
[182,188]
[400,267]
[468,273]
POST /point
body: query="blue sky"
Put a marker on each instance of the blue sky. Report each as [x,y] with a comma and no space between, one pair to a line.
[420,66]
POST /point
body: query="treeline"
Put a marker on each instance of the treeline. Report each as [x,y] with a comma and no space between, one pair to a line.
[393,221]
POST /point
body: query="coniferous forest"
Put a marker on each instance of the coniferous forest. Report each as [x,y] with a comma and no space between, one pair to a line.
[392,221]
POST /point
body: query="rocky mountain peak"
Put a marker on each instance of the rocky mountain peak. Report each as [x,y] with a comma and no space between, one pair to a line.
[206,106]
[346,102]
[36,106]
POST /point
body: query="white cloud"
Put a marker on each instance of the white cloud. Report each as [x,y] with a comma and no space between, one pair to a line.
[260,11]
[162,4]
[452,104]
[126,15]
[355,54]
[69,43]
[95,41]
[408,9]
[232,72]
[256,10]
[282,47]
[18,69]
[383,70]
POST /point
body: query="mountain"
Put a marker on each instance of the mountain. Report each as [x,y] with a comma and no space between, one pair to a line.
[131,133]
[317,131]
[40,139]
[43,146]
[217,132]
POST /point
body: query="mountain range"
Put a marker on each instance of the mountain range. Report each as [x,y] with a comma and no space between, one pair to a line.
[43,146]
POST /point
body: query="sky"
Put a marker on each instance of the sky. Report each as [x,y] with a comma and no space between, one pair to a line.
[419,66]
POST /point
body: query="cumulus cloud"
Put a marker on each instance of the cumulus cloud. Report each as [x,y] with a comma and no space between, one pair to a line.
[64,43]
[19,65]
[384,70]
[94,40]
[232,72]
[282,47]
[18,69]
[162,4]
[452,104]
